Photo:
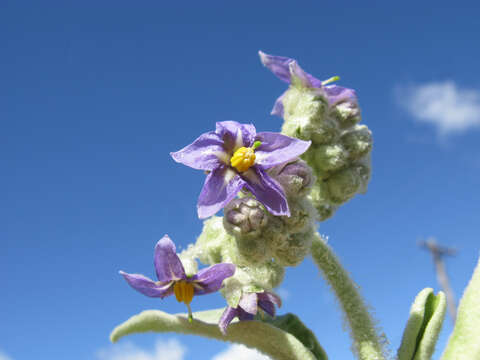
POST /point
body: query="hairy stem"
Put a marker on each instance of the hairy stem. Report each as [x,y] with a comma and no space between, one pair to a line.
[367,343]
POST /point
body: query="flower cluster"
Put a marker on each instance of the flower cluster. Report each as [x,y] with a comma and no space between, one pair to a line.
[271,187]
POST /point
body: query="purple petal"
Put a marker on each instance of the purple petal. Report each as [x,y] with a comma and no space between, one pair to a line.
[235,135]
[266,190]
[267,302]
[337,94]
[220,187]
[211,278]
[277,149]
[226,318]
[281,67]
[205,153]
[248,303]
[278,109]
[243,315]
[148,287]
[278,65]
[167,264]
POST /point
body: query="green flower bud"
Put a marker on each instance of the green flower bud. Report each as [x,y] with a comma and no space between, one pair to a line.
[321,201]
[344,184]
[294,249]
[346,113]
[302,216]
[358,141]
[329,158]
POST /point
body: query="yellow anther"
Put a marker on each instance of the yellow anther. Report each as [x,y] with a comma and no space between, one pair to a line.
[183,291]
[243,159]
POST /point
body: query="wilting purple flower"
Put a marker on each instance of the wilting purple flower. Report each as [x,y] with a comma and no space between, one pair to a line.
[172,278]
[235,156]
[248,307]
[284,68]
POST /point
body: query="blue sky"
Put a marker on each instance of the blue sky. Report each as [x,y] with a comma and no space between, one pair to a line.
[94,96]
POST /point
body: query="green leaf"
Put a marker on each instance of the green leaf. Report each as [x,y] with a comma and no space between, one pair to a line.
[464,343]
[423,327]
[293,325]
[268,339]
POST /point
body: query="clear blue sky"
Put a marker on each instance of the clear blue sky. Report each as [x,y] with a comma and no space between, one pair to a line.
[94,96]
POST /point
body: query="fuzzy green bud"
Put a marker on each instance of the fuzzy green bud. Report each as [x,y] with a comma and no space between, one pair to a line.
[329,158]
[357,141]
[294,249]
[346,113]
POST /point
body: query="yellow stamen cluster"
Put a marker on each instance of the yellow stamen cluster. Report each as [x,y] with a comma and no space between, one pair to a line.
[183,291]
[243,159]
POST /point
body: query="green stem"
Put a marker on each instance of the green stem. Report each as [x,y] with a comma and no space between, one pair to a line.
[366,341]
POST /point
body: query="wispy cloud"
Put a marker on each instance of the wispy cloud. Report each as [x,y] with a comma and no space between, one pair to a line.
[4,356]
[445,105]
[240,352]
[163,350]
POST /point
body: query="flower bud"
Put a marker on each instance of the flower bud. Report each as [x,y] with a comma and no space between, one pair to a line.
[294,249]
[347,113]
[295,177]
[330,158]
[302,216]
[358,141]
[245,218]
[344,184]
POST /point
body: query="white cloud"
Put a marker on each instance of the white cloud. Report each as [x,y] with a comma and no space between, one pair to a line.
[240,352]
[163,350]
[445,105]
[4,356]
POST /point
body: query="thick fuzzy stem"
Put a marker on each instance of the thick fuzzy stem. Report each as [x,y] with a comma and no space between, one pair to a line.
[366,341]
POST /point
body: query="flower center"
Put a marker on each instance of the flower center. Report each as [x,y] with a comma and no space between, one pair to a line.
[244,158]
[183,291]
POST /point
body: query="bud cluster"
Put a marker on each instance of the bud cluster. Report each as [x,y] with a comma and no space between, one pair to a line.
[340,150]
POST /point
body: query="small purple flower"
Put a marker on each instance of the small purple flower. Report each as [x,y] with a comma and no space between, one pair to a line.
[248,307]
[173,280]
[235,156]
[284,68]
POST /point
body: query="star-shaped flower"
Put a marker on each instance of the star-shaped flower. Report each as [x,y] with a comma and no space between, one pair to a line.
[288,70]
[248,307]
[172,278]
[235,156]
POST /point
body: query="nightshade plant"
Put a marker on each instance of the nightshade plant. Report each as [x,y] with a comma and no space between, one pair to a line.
[273,188]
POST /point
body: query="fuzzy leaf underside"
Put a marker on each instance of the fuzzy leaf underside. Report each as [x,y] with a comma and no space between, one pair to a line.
[268,339]
[464,343]
[293,325]
[423,326]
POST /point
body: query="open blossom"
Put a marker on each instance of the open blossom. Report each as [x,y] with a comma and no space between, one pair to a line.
[286,69]
[236,157]
[172,278]
[248,307]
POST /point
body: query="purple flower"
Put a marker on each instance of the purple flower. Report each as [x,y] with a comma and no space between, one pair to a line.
[284,68]
[248,307]
[172,278]
[235,156]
